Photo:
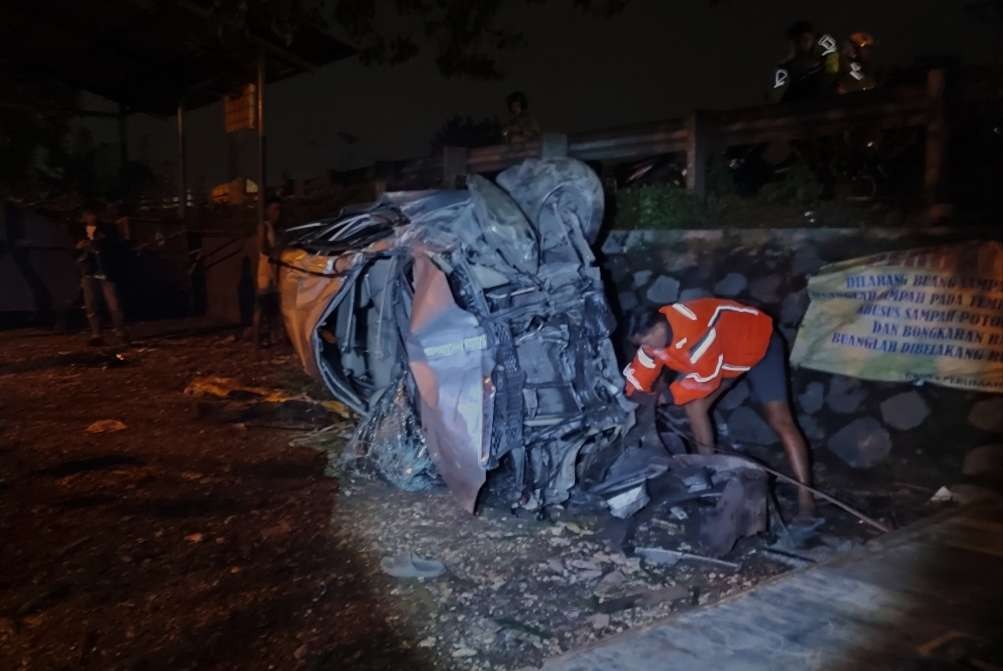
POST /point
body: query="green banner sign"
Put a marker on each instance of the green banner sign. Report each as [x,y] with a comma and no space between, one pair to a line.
[921,315]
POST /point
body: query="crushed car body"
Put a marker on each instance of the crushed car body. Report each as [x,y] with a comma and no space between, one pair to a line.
[469,329]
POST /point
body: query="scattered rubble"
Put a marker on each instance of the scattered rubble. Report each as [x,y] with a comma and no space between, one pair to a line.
[410,565]
[228,400]
[964,494]
[106,426]
[522,589]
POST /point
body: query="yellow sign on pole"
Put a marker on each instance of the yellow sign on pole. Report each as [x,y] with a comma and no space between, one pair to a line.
[240,110]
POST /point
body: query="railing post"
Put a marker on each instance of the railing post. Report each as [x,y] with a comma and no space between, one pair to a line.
[454,166]
[701,143]
[936,137]
[554,145]
[262,139]
[182,159]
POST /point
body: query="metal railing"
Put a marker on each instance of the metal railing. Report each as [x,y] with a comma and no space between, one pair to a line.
[702,133]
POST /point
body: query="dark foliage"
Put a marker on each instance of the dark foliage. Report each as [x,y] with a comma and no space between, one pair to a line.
[462,131]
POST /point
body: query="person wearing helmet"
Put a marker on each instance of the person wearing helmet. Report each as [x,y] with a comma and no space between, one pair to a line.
[810,68]
[856,72]
[708,343]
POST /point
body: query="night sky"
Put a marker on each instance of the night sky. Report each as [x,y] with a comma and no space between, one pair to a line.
[659,59]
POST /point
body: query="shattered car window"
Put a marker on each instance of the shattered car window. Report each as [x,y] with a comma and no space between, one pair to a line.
[482,311]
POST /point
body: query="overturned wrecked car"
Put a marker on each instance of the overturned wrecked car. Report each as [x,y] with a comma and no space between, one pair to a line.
[469,330]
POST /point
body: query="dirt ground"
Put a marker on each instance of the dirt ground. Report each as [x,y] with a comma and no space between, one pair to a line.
[191,540]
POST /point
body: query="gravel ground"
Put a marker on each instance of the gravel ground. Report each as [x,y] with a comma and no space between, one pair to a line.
[203,539]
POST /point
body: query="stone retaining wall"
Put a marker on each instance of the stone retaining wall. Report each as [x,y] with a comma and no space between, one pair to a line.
[860,421]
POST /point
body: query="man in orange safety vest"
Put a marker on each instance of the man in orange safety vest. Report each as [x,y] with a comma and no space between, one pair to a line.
[708,342]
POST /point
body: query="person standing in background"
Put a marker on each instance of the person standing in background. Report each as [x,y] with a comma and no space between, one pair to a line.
[96,258]
[266,309]
[520,126]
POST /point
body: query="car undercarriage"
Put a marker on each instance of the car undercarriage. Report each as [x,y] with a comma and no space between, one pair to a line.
[469,329]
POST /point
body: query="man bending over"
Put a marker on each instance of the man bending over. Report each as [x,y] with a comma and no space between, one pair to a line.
[707,342]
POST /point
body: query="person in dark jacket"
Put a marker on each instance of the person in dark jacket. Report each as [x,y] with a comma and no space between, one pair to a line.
[520,126]
[96,258]
[266,312]
[810,69]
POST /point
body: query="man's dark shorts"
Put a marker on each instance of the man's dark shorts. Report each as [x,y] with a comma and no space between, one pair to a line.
[768,378]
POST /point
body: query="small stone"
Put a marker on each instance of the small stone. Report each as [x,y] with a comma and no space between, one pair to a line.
[664,290]
[427,642]
[845,395]
[764,289]
[599,621]
[735,396]
[464,652]
[576,529]
[904,411]
[633,564]
[731,284]
[610,583]
[582,565]
[748,427]
[195,537]
[985,460]
[965,493]
[813,397]
[585,576]
[862,443]
[641,277]
[987,415]
[627,300]
[300,652]
[106,426]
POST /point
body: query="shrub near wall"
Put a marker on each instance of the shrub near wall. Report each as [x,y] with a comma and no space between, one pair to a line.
[863,423]
[661,206]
